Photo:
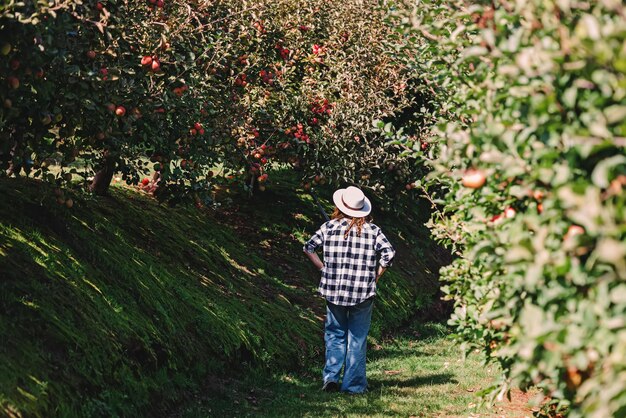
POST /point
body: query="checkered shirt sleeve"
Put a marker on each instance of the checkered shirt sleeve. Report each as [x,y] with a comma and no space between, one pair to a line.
[384,248]
[350,264]
[316,241]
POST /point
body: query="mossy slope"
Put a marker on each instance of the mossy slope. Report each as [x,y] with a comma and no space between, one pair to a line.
[120,305]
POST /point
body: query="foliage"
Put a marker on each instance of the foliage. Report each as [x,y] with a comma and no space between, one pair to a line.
[122,306]
[194,85]
[105,82]
[533,104]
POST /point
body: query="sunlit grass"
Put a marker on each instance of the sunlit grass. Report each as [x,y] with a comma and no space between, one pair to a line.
[420,373]
[120,305]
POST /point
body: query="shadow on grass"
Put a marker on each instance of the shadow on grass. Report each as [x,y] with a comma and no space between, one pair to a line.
[277,397]
[413,382]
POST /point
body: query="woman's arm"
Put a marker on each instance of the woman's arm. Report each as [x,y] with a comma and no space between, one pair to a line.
[315,259]
[380,272]
[316,241]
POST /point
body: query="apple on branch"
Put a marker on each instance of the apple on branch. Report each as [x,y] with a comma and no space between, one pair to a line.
[473,179]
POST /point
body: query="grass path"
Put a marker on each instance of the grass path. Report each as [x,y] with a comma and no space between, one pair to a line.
[419,374]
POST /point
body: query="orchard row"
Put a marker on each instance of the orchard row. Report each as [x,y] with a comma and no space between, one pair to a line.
[190,86]
[529,188]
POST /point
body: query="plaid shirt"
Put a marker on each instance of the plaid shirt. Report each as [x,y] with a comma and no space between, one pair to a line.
[349,273]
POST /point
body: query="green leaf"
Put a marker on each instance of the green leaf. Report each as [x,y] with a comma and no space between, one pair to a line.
[615,114]
[600,175]
[618,294]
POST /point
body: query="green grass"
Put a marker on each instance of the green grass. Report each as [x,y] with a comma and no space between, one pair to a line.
[121,306]
[419,373]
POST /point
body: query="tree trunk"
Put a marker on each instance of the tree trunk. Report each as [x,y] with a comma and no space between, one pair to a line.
[11,170]
[102,179]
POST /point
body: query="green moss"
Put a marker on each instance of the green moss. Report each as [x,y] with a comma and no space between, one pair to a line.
[120,305]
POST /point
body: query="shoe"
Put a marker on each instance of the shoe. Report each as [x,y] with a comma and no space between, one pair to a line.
[330,386]
[347,392]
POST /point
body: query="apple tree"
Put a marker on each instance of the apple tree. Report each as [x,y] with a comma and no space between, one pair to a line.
[121,86]
[181,87]
[306,85]
[529,179]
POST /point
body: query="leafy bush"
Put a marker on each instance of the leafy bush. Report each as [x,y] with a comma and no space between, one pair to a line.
[530,171]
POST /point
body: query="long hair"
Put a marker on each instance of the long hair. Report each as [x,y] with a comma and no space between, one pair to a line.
[358,222]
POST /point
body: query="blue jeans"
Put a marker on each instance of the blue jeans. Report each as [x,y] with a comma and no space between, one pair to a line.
[346,342]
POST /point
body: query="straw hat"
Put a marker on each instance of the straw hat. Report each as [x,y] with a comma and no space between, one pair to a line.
[352,202]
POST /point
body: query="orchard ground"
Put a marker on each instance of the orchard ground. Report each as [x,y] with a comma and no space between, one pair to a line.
[417,372]
[120,305]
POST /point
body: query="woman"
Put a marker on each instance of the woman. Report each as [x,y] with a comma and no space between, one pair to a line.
[356,254]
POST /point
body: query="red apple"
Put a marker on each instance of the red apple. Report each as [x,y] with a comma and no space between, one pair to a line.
[573,231]
[120,111]
[509,212]
[91,54]
[538,195]
[145,181]
[99,6]
[146,60]
[110,107]
[497,218]
[473,179]
[13,82]
[156,65]
[69,203]
[197,126]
